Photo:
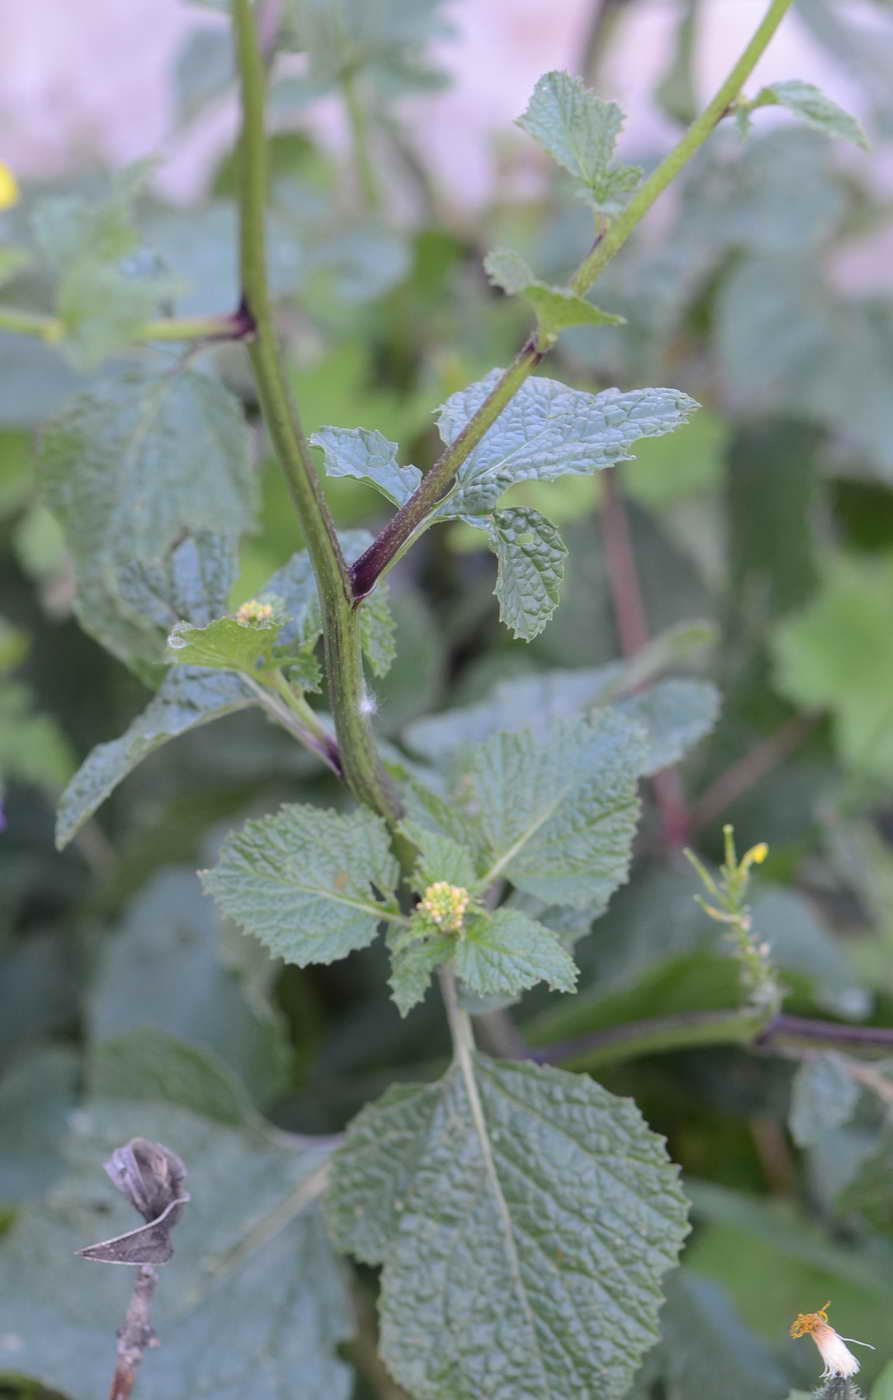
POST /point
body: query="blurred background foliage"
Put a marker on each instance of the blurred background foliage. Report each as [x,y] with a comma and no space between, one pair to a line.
[771,516]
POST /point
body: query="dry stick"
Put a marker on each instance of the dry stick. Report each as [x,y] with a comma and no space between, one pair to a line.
[751,769]
[632,630]
[137,1333]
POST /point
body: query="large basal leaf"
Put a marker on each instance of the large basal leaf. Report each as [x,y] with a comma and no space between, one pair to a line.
[548,431]
[675,715]
[823,1096]
[169,949]
[37,1095]
[558,818]
[142,457]
[252,1299]
[303,881]
[188,697]
[367,456]
[580,131]
[530,556]
[524,1218]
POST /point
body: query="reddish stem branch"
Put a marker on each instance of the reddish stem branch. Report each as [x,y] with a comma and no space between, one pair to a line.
[632,631]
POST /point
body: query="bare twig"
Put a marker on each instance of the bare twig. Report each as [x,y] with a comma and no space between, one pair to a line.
[137,1333]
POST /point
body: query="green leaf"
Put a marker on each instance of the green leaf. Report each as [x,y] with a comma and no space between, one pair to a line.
[172,937]
[36,1097]
[883,1386]
[412,963]
[188,697]
[706,1349]
[868,1193]
[157,1067]
[223,1329]
[130,466]
[555,307]
[580,132]
[558,817]
[548,431]
[837,653]
[378,630]
[13,260]
[440,856]
[225,644]
[33,748]
[810,102]
[509,952]
[301,881]
[823,1097]
[144,456]
[108,285]
[367,456]
[530,557]
[675,715]
[524,1218]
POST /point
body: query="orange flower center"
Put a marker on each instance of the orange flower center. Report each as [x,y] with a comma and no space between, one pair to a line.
[805,1324]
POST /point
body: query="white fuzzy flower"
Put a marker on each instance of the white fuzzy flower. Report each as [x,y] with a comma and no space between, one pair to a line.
[838,1359]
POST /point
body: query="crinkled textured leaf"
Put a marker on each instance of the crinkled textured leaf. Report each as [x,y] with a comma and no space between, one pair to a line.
[548,431]
[580,131]
[520,1270]
[509,952]
[837,653]
[440,856]
[378,630]
[530,554]
[386,40]
[823,1096]
[188,697]
[554,307]
[531,702]
[675,715]
[412,964]
[810,102]
[367,456]
[559,817]
[224,644]
[300,881]
[223,1330]
[168,954]
[145,455]
[108,285]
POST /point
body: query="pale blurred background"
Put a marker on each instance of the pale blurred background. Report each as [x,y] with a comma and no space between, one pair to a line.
[90,81]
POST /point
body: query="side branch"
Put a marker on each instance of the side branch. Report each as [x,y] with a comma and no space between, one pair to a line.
[438,481]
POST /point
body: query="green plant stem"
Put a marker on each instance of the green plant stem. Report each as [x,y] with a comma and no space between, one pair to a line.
[359,137]
[344,663]
[52,328]
[437,482]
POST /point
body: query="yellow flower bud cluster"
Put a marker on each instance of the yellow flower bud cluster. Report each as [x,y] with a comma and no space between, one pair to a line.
[254,613]
[445,905]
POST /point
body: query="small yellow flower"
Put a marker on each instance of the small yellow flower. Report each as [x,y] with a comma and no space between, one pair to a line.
[755,856]
[445,905]
[838,1359]
[254,614]
[9,189]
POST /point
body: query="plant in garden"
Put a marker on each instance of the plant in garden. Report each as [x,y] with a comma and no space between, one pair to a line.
[523,1217]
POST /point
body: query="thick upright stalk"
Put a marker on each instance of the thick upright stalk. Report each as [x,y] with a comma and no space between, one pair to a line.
[344,664]
[440,478]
